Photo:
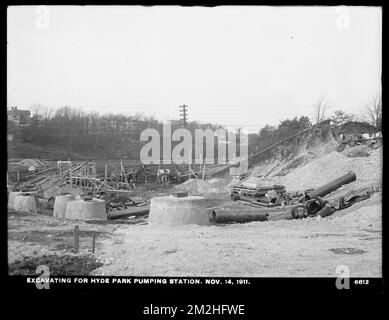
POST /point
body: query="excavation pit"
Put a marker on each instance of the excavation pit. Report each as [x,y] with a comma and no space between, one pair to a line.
[173,211]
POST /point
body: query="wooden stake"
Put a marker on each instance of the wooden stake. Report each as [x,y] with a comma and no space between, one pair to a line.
[93,242]
[76,239]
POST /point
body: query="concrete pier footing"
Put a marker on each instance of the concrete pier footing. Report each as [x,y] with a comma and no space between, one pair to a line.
[60,205]
[170,210]
[25,203]
[86,210]
[13,194]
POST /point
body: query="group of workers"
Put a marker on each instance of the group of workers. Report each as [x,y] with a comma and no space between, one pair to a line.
[163,176]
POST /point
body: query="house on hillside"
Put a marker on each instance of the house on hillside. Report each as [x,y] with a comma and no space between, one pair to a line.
[356,132]
[30,164]
[19,117]
[354,127]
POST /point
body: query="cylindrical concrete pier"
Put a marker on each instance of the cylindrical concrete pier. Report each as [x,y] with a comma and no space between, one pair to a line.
[13,194]
[86,210]
[60,205]
[170,210]
[25,203]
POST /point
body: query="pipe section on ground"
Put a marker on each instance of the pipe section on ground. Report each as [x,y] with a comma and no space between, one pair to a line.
[241,215]
[332,186]
[125,213]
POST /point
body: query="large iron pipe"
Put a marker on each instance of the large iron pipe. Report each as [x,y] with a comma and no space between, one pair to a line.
[314,205]
[136,211]
[244,215]
[326,211]
[331,186]
[285,214]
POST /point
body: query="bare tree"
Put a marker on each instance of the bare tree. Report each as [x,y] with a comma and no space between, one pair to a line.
[372,111]
[320,108]
[47,113]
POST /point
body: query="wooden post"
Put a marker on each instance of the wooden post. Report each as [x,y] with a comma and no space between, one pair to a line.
[93,242]
[18,176]
[105,172]
[76,239]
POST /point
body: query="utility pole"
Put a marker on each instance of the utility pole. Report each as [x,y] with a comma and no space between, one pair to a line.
[184,114]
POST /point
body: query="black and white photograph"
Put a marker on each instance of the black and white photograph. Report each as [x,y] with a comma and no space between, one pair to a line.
[194,145]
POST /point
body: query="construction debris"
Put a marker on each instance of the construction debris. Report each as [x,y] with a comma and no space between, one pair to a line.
[308,203]
[258,194]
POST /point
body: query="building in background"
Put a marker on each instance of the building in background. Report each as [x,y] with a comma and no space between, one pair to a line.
[19,117]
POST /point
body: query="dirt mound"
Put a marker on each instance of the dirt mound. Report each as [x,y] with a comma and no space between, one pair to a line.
[275,168]
[317,172]
[332,166]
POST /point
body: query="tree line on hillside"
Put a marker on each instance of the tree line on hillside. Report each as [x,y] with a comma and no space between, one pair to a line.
[110,136]
[98,136]
[371,113]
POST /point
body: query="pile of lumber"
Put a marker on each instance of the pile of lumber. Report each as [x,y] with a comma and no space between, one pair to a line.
[52,182]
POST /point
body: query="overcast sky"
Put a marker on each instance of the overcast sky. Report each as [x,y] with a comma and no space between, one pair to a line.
[230,65]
